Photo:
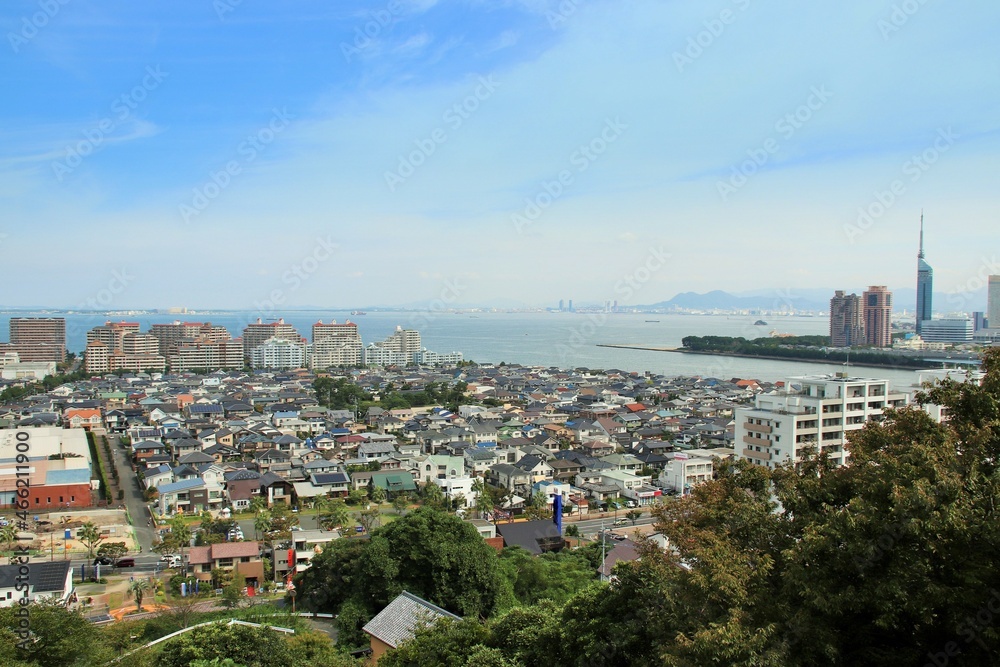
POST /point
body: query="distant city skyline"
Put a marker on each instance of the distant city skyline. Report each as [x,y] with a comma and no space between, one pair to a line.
[223,155]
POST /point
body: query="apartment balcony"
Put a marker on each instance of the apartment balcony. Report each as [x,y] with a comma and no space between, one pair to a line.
[758,456]
[760,428]
[750,440]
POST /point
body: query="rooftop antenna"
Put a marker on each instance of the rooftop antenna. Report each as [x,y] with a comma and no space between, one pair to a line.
[920,253]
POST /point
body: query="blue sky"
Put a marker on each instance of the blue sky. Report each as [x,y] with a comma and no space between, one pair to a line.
[223,154]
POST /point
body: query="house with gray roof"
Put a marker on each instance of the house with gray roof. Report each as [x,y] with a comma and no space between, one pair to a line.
[399,621]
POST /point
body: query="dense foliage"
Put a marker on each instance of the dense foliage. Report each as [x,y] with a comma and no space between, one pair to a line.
[60,637]
[890,561]
[797,347]
[428,553]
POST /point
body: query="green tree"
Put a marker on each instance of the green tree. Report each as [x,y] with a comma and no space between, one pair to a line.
[245,645]
[369,519]
[261,523]
[633,515]
[258,503]
[432,495]
[58,638]
[333,576]
[137,591]
[335,515]
[8,535]
[447,642]
[480,496]
[90,535]
[112,550]
[232,594]
[401,502]
[377,494]
[177,539]
[538,508]
[350,620]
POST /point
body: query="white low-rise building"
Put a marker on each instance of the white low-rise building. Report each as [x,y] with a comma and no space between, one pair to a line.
[454,487]
[814,412]
[687,469]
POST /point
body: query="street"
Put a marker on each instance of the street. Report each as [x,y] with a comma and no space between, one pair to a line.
[134,500]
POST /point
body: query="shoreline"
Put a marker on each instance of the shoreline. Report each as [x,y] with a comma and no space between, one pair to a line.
[803,360]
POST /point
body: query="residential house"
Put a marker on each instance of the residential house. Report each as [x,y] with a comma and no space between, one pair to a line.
[244,557]
[399,621]
[46,580]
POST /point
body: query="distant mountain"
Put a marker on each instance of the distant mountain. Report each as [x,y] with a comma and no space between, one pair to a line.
[816,299]
[719,300]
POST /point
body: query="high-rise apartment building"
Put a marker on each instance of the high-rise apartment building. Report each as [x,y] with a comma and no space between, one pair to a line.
[403,341]
[815,412]
[335,345]
[116,346]
[38,338]
[993,302]
[877,310]
[847,325]
[170,334]
[140,345]
[925,284]
[112,334]
[279,353]
[206,354]
[257,333]
[97,357]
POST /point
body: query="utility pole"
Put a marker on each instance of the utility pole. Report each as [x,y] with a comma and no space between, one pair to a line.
[603,548]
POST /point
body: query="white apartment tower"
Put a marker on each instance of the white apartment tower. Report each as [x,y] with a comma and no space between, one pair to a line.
[815,411]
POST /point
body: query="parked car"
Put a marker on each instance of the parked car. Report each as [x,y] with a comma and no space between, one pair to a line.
[631,504]
[125,562]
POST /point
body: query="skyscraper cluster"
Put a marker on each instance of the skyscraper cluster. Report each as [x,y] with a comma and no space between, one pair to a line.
[864,320]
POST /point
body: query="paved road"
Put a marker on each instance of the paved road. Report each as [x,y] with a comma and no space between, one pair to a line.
[593,526]
[134,500]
